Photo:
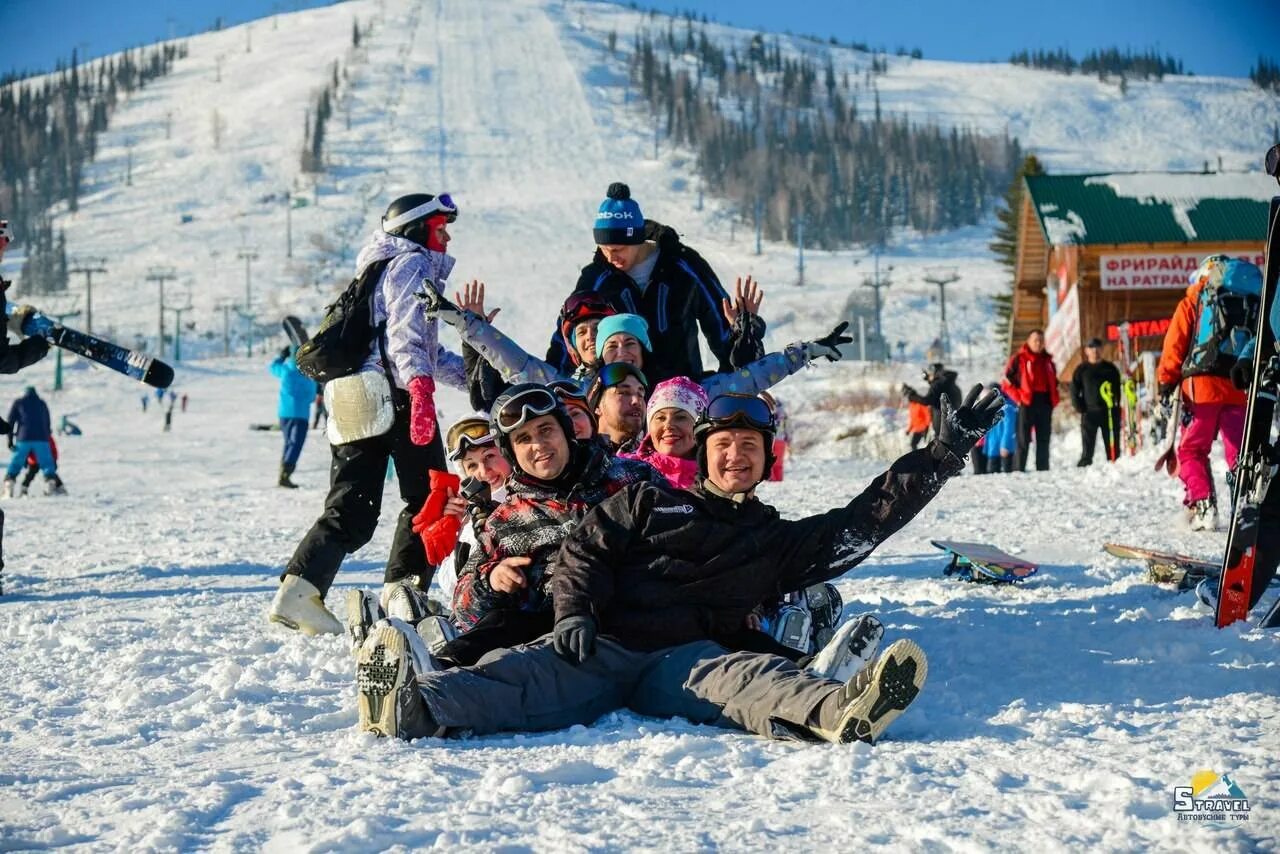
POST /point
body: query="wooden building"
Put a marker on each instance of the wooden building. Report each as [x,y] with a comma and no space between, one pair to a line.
[1098,250]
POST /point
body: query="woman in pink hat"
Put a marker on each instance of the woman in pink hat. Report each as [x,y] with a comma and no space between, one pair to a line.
[674,407]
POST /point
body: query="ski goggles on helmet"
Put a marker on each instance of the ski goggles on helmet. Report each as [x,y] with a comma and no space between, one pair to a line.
[438,205]
[585,306]
[568,392]
[511,411]
[737,410]
[467,434]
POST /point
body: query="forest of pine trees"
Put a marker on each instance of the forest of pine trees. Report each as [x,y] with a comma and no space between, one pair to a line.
[787,140]
[1109,62]
[48,132]
[1266,74]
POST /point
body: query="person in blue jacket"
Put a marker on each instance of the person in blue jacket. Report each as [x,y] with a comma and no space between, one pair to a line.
[30,430]
[1001,445]
[296,393]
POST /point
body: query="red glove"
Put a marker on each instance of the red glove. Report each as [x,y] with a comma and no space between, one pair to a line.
[422,410]
[433,508]
[441,537]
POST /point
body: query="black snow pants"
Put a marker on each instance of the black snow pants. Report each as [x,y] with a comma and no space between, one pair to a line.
[1093,422]
[1037,418]
[356,480]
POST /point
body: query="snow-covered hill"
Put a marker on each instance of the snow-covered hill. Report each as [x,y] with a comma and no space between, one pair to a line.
[148,706]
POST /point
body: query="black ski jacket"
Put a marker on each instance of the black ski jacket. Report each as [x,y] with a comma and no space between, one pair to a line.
[941,386]
[659,567]
[1086,386]
[683,296]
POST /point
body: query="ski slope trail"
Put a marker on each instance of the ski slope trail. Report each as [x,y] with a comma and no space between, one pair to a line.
[149,706]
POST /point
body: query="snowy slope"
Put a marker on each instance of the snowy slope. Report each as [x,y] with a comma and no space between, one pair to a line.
[150,706]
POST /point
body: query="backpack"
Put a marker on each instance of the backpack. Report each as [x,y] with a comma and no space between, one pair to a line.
[341,344]
[1226,315]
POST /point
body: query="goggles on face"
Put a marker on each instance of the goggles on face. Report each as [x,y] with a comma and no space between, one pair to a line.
[744,410]
[528,403]
[467,434]
[441,204]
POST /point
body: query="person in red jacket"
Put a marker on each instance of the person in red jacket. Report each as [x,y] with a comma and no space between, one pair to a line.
[1216,408]
[1031,380]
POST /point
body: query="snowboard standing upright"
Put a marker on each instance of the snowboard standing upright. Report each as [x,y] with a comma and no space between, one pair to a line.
[1240,568]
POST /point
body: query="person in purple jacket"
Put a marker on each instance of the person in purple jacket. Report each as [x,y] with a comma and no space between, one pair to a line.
[411,248]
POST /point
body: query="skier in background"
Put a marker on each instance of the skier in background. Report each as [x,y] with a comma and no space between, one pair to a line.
[942,383]
[919,420]
[321,412]
[1000,445]
[33,467]
[30,432]
[1095,394]
[1031,379]
[294,410]
[1216,408]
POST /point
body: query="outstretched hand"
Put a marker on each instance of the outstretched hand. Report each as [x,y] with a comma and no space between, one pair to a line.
[962,428]
[437,305]
[747,296]
[472,299]
[828,346]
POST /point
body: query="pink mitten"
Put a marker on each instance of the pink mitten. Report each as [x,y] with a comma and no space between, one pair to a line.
[422,410]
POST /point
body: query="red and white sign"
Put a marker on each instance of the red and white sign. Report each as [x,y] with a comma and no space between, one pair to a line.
[1062,335]
[1140,329]
[1156,270]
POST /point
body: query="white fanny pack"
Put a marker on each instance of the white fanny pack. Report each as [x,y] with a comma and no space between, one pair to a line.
[359,407]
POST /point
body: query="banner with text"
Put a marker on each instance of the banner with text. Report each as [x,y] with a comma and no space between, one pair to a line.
[1062,335]
[1156,270]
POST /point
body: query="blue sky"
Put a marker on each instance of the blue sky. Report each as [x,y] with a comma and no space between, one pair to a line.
[1222,38]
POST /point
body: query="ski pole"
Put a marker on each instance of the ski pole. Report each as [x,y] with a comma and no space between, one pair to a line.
[1109,398]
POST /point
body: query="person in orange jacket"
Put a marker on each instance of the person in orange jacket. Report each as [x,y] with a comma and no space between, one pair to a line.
[919,419]
[1031,381]
[1214,405]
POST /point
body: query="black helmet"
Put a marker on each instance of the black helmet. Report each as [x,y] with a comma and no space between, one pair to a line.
[407,216]
[736,410]
[517,405]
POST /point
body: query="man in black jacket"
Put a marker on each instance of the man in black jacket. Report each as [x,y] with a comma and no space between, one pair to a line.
[942,383]
[649,581]
[1095,393]
[641,267]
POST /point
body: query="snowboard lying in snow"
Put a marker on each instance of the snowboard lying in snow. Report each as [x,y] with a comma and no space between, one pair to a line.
[1182,571]
[984,563]
[132,363]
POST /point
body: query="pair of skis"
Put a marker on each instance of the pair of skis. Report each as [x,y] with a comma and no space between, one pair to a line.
[1243,578]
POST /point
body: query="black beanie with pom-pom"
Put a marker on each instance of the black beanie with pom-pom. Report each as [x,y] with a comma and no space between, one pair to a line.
[619,221]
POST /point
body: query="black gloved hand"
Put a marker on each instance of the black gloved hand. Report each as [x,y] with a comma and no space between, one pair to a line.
[1166,392]
[908,391]
[962,428]
[437,305]
[828,345]
[575,638]
[31,350]
[284,353]
[1242,374]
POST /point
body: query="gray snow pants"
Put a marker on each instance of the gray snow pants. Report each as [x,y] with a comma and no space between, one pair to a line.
[530,688]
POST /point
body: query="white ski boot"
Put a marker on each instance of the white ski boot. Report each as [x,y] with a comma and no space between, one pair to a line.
[875,697]
[299,606]
[404,600]
[7,492]
[1203,515]
[851,649]
[387,669]
[363,611]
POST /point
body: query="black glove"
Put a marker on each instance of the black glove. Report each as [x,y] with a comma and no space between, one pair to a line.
[829,344]
[1167,390]
[962,428]
[1242,374]
[908,391]
[31,350]
[284,353]
[575,639]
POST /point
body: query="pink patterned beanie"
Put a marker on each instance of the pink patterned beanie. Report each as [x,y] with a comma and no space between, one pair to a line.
[680,393]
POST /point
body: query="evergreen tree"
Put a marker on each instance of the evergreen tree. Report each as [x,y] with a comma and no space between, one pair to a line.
[1005,244]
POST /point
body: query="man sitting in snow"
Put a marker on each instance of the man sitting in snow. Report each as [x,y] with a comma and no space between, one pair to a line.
[651,576]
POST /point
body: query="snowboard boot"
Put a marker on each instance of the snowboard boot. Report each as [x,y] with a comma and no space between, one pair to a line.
[285,472]
[299,606]
[825,605]
[436,631]
[363,611]
[1203,515]
[853,647]
[864,707]
[387,670]
[53,486]
[404,600]
[8,488]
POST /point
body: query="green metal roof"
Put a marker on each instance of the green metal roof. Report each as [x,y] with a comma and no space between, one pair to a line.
[1152,207]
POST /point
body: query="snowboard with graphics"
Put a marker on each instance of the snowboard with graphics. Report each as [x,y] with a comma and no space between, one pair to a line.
[132,363]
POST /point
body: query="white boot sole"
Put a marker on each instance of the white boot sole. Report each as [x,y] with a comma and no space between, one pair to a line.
[899,675]
[382,667]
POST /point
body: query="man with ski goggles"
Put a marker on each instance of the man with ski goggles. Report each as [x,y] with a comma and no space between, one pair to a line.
[651,580]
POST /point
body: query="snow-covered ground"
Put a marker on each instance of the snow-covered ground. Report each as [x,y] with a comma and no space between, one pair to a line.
[149,705]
